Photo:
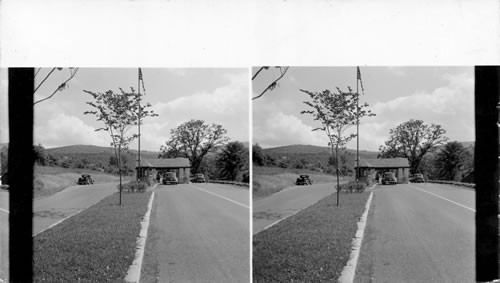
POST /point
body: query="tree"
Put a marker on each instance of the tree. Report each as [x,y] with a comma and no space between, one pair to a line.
[41,157]
[193,140]
[272,85]
[451,161]
[232,159]
[119,112]
[4,159]
[336,112]
[113,161]
[257,155]
[412,139]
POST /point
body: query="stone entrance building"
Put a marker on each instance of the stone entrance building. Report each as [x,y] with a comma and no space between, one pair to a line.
[399,166]
[151,167]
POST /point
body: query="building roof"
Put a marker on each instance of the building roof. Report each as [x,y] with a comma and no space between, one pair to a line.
[384,163]
[179,162]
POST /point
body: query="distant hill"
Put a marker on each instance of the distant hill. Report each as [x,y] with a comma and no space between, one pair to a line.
[97,154]
[90,149]
[300,149]
[311,154]
[468,144]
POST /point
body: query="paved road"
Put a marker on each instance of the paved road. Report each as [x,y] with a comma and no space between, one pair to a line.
[50,210]
[419,233]
[198,233]
[273,208]
[4,236]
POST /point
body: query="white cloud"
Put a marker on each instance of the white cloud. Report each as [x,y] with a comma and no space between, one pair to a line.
[451,106]
[275,128]
[226,105]
[63,129]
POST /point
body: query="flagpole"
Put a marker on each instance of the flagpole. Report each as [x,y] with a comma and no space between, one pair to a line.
[357,122]
[139,175]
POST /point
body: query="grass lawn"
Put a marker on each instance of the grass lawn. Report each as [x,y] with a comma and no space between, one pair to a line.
[269,180]
[94,246]
[50,180]
[313,245]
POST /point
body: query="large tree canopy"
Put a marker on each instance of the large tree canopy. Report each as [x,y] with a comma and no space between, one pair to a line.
[193,140]
[232,159]
[451,161]
[412,139]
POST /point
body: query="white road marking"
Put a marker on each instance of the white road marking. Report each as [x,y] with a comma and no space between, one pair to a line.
[57,223]
[238,203]
[279,220]
[4,210]
[454,202]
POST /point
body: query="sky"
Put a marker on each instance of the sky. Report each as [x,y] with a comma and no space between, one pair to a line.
[218,96]
[439,95]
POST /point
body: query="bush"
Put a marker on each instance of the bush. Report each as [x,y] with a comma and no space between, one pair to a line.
[134,186]
[353,186]
[366,180]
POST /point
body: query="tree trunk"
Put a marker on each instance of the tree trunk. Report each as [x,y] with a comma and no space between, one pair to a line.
[120,170]
[337,171]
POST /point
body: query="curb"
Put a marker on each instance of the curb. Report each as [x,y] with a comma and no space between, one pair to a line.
[134,270]
[347,275]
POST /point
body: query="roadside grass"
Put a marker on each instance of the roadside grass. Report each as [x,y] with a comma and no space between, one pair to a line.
[313,245]
[50,180]
[269,180]
[94,246]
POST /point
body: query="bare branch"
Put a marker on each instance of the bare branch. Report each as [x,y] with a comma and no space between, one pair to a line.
[60,87]
[273,85]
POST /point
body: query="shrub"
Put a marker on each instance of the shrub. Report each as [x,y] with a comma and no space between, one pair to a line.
[134,186]
[366,180]
[353,186]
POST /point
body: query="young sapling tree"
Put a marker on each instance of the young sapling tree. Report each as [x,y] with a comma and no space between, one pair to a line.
[119,112]
[336,111]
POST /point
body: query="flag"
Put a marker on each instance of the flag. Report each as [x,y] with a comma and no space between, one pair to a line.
[361,81]
[141,80]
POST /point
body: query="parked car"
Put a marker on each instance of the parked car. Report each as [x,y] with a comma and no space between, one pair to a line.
[170,178]
[418,178]
[198,178]
[303,180]
[389,178]
[85,179]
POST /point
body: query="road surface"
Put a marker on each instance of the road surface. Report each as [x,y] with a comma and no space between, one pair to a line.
[49,211]
[275,207]
[4,236]
[419,233]
[198,233]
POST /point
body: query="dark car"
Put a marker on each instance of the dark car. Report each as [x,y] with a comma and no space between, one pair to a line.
[418,178]
[85,179]
[198,178]
[170,178]
[389,178]
[303,180]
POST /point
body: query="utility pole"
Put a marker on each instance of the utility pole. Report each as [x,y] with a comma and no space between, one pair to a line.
[139,172]
[358,77]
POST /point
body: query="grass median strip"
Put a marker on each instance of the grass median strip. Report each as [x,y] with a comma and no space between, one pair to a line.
[313,245]
[96,245]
